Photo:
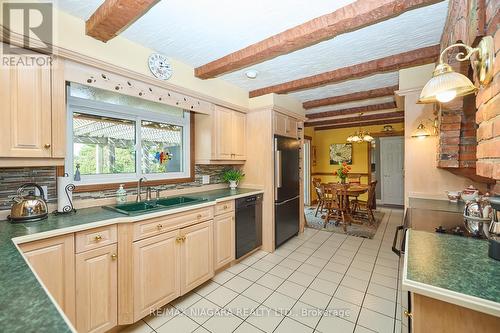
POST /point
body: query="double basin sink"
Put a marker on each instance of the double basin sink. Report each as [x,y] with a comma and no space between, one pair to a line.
[141,207]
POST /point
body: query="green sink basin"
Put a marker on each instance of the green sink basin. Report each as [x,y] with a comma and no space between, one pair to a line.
[147,206]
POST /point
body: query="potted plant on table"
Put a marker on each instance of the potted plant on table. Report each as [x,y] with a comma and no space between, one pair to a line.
[342,172]
[233,177]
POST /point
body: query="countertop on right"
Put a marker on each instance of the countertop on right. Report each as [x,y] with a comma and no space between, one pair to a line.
[454,269]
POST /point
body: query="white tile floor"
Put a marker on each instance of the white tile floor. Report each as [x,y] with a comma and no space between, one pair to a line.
[316,282]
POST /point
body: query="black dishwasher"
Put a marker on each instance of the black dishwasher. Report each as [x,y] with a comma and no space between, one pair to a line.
[248,224]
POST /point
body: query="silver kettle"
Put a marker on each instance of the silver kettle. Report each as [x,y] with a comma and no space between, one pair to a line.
[30,207]
[494,228]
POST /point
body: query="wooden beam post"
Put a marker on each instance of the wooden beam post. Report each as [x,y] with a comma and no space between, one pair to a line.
[379,116]
[368,123]
[114,16]
[374,93]
[391,63]
[343,112]
[354,16]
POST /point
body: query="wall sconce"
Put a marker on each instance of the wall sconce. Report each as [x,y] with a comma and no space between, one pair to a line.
[446,84]
[422,132]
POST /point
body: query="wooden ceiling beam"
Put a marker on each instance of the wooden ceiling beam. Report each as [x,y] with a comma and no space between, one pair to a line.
[354,16]
[343,112]
[378,116]
[391,63]
[368,123]
[357,96]
[114,16]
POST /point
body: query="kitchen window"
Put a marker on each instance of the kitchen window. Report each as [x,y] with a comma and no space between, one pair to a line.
[115,138]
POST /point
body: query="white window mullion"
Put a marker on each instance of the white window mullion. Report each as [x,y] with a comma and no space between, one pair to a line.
[138,147]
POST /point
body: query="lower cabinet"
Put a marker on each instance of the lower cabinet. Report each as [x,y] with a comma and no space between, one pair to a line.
[96,289]
[224,237]
[197,264]
[156,272]
[53,260]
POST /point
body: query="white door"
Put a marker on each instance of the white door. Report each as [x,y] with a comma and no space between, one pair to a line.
[307,172]
[391,170]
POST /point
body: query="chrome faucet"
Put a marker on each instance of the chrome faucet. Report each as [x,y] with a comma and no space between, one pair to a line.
[139,190]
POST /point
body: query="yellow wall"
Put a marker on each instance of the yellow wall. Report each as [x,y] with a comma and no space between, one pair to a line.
[322,141]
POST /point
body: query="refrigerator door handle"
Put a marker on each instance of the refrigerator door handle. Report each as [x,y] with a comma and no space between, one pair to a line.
[277,170]
[286,201]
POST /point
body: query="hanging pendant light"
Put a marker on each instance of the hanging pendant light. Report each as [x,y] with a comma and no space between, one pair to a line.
[360,136]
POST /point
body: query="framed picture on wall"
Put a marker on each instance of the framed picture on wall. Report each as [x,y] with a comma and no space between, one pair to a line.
[340,152]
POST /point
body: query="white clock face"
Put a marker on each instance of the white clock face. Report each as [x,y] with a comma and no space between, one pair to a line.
[159,66]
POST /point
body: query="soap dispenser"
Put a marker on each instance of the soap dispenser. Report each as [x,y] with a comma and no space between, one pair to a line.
[121,195]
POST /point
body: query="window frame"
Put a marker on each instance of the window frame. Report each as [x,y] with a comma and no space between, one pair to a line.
[111,181]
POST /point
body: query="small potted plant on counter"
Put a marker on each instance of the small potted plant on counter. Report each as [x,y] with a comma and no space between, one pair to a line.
[233,177]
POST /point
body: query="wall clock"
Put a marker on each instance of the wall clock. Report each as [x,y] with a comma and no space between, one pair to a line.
[160,66]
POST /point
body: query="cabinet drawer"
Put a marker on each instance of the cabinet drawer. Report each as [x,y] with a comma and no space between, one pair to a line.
[224,207]
[158,225]
[95,238]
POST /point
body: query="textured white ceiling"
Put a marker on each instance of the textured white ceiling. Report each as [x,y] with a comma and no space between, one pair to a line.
[412,30]
[199,31]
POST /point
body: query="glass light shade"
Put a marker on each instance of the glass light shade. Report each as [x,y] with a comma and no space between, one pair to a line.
[368,138]
[421,132]
[445,85]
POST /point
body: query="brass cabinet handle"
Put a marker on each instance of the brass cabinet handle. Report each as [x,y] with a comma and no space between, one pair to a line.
[98,238]
[408,314]
[178,239]
[114,256]
[199,216]
[225,206]
[47,145]
[159,226]
[183,238]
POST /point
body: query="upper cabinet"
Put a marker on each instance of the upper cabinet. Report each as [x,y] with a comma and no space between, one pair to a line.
[33,113]
[220,137]
[285,125]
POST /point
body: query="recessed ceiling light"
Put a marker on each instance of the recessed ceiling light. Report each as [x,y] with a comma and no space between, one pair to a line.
[251,73]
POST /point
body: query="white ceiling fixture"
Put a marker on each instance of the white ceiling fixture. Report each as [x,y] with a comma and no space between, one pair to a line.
[251,74]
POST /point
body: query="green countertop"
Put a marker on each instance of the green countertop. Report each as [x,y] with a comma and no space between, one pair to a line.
[24,305]
[439,205]
[455,267]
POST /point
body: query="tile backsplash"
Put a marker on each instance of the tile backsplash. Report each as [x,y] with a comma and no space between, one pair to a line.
[12,178]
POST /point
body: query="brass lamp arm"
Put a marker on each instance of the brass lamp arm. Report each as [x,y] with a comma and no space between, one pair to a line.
[461,56]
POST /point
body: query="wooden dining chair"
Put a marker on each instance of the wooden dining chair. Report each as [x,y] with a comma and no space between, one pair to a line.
[366,208]
[354,180]
[337,205]
[316,182]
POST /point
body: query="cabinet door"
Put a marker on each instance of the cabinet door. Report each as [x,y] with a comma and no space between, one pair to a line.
[197,260]
[53,260]
[156,272]
[280,121]
[25,117]
[239,137]
[223,133]
[224,240]
[96,290]
[291,127]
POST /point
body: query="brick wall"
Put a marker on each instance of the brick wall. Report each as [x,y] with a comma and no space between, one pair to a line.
[488,119]
[470,126]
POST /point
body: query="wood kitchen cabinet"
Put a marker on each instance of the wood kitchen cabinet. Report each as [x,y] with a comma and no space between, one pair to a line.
[224,240]
[32,121]
[197,264]
[220,137]
[285,125]
[53,260]
[96,289]
[156,272]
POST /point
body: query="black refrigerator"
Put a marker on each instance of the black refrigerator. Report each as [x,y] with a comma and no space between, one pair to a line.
[286,183]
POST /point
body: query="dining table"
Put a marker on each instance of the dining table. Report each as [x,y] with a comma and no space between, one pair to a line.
[353,191]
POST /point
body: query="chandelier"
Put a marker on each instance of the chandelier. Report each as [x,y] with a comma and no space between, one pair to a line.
[360,136]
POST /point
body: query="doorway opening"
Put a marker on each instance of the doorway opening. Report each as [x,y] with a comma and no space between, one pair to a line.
[387,168]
